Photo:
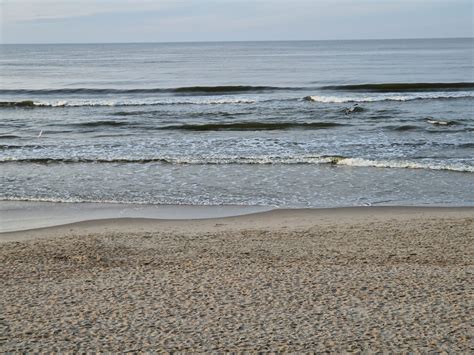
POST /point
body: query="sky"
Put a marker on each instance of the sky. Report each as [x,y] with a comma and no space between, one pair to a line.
[104,21]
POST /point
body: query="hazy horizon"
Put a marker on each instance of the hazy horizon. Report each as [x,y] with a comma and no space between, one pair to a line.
[249,41]
[167,21]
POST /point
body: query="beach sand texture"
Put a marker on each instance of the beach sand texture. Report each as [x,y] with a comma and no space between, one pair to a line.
[362,279]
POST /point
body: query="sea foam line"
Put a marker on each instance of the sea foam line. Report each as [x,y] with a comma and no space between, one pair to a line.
[119,103]
[376,98]
[255,160]
[234,100]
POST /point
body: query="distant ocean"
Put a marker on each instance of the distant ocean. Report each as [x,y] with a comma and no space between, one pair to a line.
[288,124]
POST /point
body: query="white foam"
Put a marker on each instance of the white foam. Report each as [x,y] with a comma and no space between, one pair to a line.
[359,162]
[439,123]
[258,160]
[388,97]
[219,100]
[144,102]
[267,159]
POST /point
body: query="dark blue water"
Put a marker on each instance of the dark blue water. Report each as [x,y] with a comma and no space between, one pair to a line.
[329,123]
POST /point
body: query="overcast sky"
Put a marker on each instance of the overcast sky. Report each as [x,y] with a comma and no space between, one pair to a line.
[86,21]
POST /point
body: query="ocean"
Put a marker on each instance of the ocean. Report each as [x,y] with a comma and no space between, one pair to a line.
[286,124]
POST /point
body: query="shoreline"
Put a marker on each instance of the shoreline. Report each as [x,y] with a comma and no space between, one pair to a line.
[17,216]
[28,215]
[80,219]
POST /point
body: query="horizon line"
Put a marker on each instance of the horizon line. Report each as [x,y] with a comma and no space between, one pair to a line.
[242,41]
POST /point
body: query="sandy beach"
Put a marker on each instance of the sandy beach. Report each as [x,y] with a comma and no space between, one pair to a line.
[339,280]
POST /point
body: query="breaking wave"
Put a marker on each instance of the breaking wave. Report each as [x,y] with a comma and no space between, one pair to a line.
[405,164]
[258,160]
[25,103]
[376,98]
[30,104]
[112,103]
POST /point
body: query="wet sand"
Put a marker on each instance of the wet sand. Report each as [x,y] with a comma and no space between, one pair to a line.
[24,215]
[351,279]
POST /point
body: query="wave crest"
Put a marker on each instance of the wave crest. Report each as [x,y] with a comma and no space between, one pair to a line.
[25,103]
[104,103]
[253,126]
[259,160]
[221,89]
[419,96]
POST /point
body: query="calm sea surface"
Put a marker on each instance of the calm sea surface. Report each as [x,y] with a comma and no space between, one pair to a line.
[291,124]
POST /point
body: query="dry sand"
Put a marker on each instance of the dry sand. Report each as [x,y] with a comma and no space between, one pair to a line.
[361,279]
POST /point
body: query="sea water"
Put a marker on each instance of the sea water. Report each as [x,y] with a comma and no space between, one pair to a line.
[287,124]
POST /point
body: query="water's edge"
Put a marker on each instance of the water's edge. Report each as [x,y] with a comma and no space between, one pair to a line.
[20,216]
[25,215]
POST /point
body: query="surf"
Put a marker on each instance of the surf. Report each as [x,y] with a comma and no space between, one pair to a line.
[331,160]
